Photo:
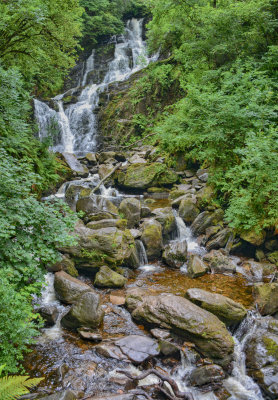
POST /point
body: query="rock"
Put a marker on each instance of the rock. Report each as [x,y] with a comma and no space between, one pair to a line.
[168,348]
[160,333]
[136,159]
[134,297]
[91,157]
[110,351]
[136,234]
[108,278]
[65,395]
[92,205]
[253,237]
[138,348]
[145,211]
[206,219]
[105,155]
[89,334]
[205,197]
[188,210]
[257,271]
[271,244]
[49,314]
[143,176]
[266,297]
[111,396]
[219,263]
[223,307]
[196,267]
[99,216]
[108,223]
[273,257]
[75,165]
[199,326]
[131,210]
[206,374]
[220,239]
[167,220]
[110,246]
[202,174]
[71,195]
[69,289]
[86,312]
[262,356]
[176,203]
[66,264]
[117,300]
[175,253]
[152,238]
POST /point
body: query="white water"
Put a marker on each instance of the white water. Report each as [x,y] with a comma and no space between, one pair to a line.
[143,258]
[78,123]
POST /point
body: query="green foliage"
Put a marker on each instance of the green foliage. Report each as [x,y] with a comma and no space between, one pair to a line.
[12,387]
[225,55]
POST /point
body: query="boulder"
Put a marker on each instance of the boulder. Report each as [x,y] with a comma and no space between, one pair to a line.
[107,223]
[143,176]
[206,219]
[91,157]
[86,312]
[109,350]
[112,396]
[145,211]
[188,210]
[175,253]
[138,348]
[96,247]
[206,375]
[66,264]
[67,288]
[75,165]
[262,356]
[65,395]
[273,257]
[166,218]
[167,348]
[253,237]
[199,326]
[223,307]
[49,313]
[202,174]
[160,333]
[106,277]
[219,263]
[220,239]
[134,297]
[266,297]
[152,238]
[257,271]
[196,267]
[96,204]
[71,195]
[131,210]
[136,159]
[105,155]
[205,197]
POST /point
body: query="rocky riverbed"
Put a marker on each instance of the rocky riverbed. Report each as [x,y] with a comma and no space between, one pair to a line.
[156,284]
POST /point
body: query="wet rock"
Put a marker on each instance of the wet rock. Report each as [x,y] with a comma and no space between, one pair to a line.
[49,314]
[253,237]
[85,312]
[110,351]
[89,334]
[105,155]
[152,238]
[160,333]
[206,219]
[266,297]
[71,195]
[106,277]
[206,375]
[111,396]
[108,223]
[196,267]
[134,297]
[136,159]
[143,176]
[168,348]
[219,263]
[202,174]
[65,395]
[138,348]
[257,271]
[92,205]
[95,247]
[205,197]
[135,233]
[262,356]
[145,211]
[167,220]
[220,239]
[188,210]
[176,203]
[131,210]
[223,307]
[66,264]
[67,288]
[91,157]
[75,165]
[175,254]
[201,327]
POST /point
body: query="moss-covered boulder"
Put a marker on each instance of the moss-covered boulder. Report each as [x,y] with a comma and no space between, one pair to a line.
[108,223]
[196,267]
[253,237]
[86,312]
[130,208]
[197,325]
[69,289]
[273,257]
[143,176]
[266,297]
[175,254]
[205,220]
[106,277]
[220,239]
[188,209]
[166,218]
[219,262]
[152,238]
[96,204]
[65,264]
[95,247]
[229,311]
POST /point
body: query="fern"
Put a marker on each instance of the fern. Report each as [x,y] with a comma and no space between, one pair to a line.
[12,387]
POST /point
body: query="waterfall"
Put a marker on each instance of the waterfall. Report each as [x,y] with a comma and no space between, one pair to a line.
[143,258]
[78,122]
[184,232]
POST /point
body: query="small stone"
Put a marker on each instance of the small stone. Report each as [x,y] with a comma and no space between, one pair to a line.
[160,333]
[206,374]
[89,334]
[196,267]
[138,348]
[110,351]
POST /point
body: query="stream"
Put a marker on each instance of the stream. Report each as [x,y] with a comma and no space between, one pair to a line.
[61,356]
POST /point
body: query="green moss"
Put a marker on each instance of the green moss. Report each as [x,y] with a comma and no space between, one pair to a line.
[271,347]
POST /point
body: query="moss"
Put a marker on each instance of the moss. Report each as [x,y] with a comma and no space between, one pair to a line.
[271,346]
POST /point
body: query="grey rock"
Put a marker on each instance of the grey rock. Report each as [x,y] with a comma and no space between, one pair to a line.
[220,263]
[175,253]
[266,297]
[138,348]
[106,277]
[75,165]
[49,313]
[188,209]
[65,395]
[131,209]
[206,374]
[69,289]
[152,238]
[196,267]
[206,219]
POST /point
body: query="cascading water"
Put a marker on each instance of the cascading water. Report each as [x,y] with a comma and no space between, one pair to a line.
[78,123]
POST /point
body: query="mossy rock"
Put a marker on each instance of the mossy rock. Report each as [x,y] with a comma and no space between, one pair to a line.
[106,277]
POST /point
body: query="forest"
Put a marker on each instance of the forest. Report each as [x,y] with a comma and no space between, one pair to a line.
[212,101]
